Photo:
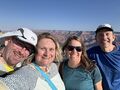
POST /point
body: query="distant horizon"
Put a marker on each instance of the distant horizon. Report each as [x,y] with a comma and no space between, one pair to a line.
[42,30]
[11,29]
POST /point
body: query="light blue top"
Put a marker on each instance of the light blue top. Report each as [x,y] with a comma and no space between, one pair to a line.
[28,78]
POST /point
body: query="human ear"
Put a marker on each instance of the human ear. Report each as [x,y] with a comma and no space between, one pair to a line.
[7,40]
[114,37]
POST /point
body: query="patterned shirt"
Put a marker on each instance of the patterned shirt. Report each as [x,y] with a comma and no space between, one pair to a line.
[28,78]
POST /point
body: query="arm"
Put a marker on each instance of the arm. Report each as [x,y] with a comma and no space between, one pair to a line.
[97,79]
[98,85]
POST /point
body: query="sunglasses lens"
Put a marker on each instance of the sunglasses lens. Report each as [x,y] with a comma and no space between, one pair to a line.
[78,49]
[71,48]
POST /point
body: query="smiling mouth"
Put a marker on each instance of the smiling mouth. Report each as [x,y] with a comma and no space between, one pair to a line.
[18,54]
[104,41]
[46,59]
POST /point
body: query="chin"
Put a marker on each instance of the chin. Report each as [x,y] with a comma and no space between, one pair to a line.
[44,64]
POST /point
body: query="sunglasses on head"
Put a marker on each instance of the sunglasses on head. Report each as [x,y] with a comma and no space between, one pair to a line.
[77,48]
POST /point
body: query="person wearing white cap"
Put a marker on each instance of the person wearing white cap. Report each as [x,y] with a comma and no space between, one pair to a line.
[42,73]
[107,56]
[18,45]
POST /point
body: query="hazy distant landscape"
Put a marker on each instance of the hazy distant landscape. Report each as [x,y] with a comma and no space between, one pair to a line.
[89,36]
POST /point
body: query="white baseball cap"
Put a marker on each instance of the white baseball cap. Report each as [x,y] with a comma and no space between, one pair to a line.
[104,26]
[23,34]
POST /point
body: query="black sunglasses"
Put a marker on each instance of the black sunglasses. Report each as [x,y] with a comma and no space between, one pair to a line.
[71,48]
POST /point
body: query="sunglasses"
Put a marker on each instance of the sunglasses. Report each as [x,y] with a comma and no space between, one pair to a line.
[23,44]
[77,48]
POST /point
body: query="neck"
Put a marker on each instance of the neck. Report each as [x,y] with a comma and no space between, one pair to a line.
[2,61]
[108,49]
[45,68]
[2,57]
[73,64]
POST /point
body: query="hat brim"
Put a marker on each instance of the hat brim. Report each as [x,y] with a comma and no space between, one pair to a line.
[10,34]
[24,40]
[106,29]
[14,34]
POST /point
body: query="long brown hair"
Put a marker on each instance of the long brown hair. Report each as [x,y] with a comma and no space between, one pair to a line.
[85,61]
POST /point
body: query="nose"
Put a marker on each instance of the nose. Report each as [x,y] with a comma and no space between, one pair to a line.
[23,49]
[104,36]
[22,52]
[74,50]
[46,52]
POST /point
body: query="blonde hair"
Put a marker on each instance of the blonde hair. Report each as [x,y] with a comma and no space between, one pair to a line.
[58,56]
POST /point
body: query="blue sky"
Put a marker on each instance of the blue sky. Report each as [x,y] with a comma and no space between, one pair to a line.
[82,15]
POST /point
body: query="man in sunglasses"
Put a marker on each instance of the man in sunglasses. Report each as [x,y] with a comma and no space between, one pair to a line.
[107,56]
[17,46]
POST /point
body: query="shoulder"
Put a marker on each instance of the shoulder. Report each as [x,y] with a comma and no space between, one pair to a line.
[62,64]
[92,48]
[53,67]
[117,46]
[22,78]
[2,70]
[53,70]
[96,71]
[23,70]
[96,75]
[3,66]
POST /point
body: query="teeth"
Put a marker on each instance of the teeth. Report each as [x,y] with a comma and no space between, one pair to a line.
[45,58]
[18,54]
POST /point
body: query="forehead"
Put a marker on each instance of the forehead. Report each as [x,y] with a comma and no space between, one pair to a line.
[103,31]
[46,42]
[74,42]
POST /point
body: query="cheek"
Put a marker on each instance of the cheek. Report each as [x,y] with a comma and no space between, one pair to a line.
[98,39]
[40,52]
[39,55]
[53,54]
[67,53]
[80,53]
[27,53]
[9,52]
